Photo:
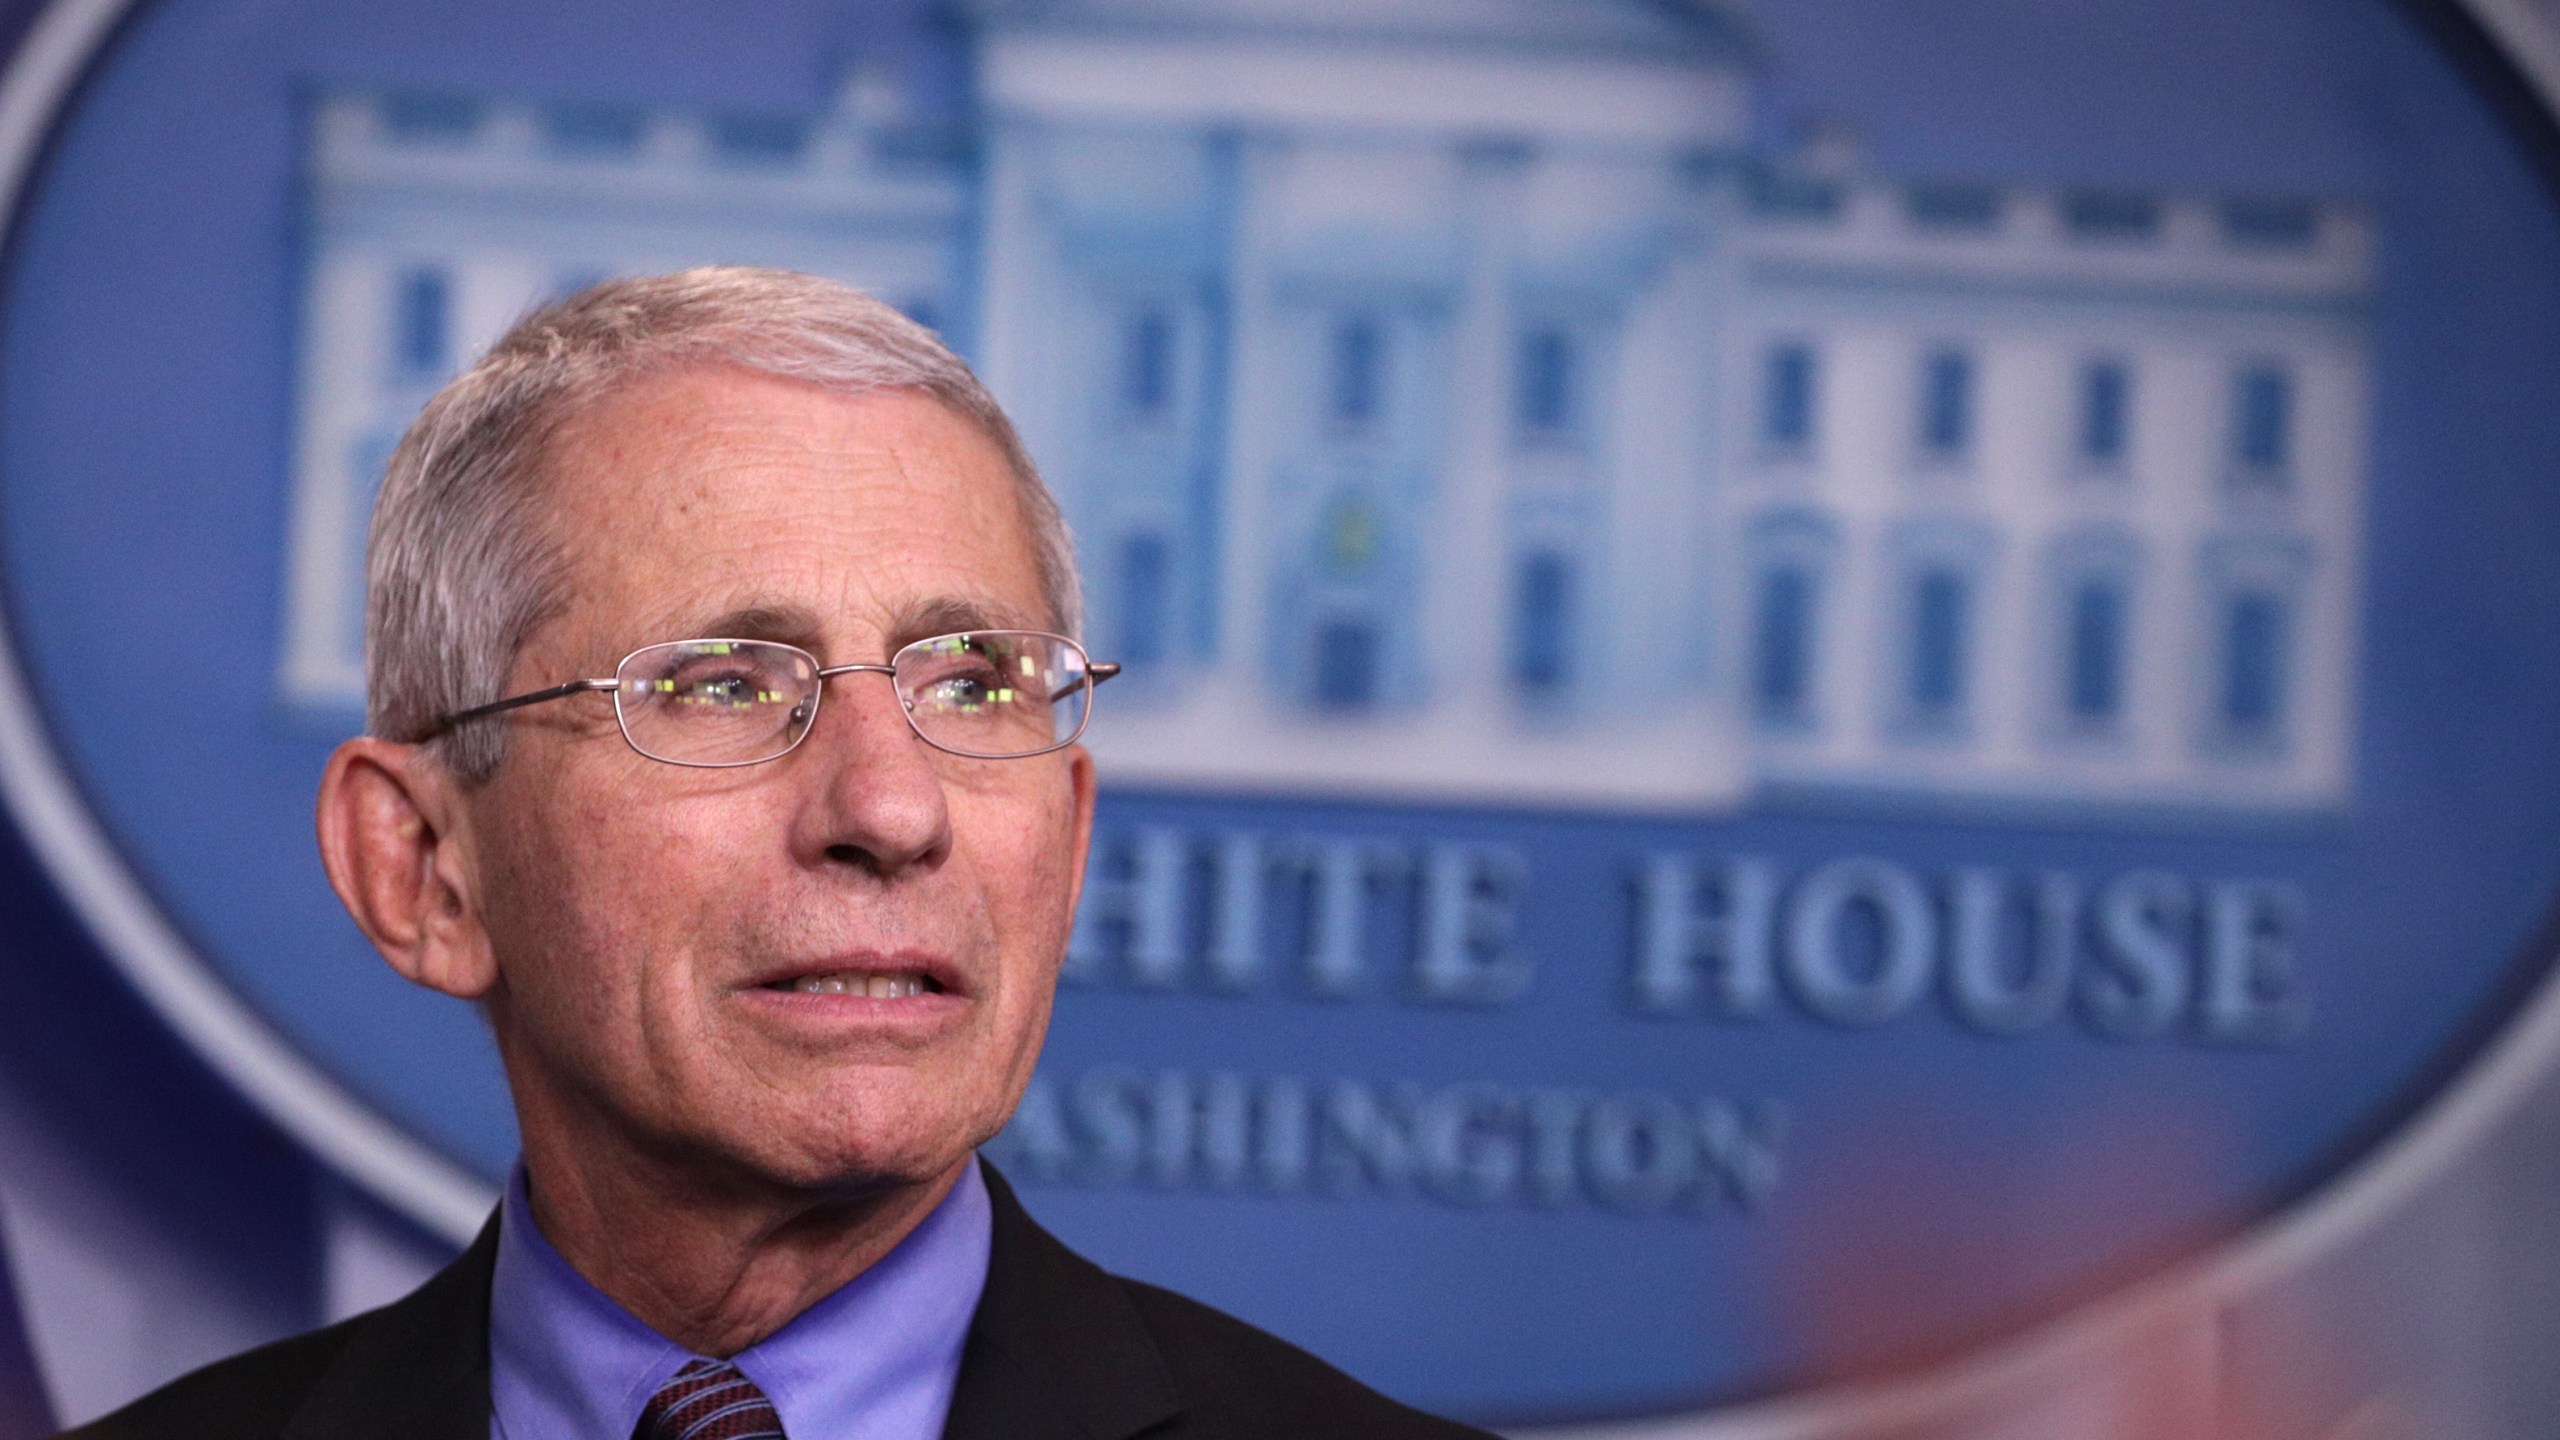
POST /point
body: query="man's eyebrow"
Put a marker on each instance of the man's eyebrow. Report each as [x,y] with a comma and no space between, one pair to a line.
[795,624]
[944,614]
[791,624]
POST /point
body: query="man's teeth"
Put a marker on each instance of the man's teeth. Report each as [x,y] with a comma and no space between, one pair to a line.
[896,986]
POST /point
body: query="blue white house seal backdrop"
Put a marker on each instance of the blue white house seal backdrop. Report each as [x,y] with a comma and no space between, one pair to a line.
[1803,679]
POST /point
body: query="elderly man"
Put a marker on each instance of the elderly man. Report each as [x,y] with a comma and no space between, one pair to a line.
[722,748]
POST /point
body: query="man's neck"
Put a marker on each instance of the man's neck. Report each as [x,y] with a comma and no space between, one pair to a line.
[717,1269]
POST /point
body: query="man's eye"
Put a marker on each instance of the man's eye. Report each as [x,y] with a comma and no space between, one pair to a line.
[958,689]
[726,689]
[966,688]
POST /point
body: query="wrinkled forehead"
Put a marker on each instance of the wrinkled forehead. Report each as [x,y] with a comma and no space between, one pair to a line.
[683,498]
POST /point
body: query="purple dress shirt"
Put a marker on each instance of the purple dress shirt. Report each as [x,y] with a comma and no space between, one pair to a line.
[876,1359]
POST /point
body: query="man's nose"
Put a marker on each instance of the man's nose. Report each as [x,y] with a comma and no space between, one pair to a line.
[879,803]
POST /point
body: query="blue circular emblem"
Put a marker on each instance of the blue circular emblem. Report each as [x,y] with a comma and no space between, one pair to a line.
[1802,683]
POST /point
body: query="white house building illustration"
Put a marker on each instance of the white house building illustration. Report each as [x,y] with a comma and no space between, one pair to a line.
[1450,401]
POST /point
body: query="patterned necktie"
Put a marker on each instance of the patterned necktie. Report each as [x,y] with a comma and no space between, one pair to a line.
[708,1400]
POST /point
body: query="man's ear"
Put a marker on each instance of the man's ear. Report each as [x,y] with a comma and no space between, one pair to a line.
[388,821]
[1080,775]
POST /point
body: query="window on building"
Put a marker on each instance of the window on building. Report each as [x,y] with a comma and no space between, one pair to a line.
[1782,644]
[1542,625]
[1941,614]
[1946,404]
[1354,533]
[2254,642]
[2094,653]
[424,117]
[757,139]
[1792,194]
[2106,413]
[1543,402]
[2262,422]
[1952,205]
[1347,665]
[2111,215]
[1787,397]
[592,129]
[423,322]
[1146,592]
[1355,392]
[1146,364]
[2261,223]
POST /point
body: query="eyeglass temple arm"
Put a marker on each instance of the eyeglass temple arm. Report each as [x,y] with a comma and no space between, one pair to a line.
[1094,674]
[517,702]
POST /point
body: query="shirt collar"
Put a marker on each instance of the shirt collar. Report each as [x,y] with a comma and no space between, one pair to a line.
[878,1357]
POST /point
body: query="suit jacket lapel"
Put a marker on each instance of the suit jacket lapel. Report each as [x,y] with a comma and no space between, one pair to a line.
[419,1368]
[1056,1349]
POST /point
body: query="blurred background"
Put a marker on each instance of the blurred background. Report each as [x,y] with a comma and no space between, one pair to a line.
[1837,712]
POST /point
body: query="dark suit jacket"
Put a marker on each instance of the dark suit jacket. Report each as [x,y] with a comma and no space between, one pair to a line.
[1058,1349]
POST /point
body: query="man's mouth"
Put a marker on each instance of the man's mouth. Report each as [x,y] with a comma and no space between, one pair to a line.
[871,984]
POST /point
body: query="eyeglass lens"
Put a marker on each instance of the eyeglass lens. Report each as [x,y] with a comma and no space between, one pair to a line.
[992,694]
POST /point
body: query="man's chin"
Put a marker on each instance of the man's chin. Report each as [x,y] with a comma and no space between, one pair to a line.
[860,1164]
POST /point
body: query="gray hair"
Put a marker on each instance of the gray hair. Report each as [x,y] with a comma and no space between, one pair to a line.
[461,568]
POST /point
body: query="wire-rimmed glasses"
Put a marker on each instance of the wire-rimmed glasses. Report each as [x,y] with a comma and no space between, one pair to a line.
[986,694]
